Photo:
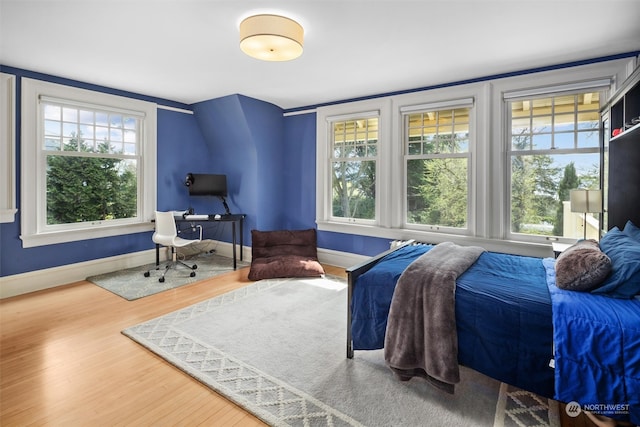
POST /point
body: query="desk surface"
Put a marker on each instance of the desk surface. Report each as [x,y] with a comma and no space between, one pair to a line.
[210,217]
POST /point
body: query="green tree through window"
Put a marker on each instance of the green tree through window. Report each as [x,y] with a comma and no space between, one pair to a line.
[91,187]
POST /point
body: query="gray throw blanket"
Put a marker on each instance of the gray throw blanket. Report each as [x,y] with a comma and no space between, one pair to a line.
[421,337]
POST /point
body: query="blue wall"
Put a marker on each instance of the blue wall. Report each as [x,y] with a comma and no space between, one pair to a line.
[269,160]
[180,145]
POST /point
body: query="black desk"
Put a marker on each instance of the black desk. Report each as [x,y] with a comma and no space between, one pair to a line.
[232,218]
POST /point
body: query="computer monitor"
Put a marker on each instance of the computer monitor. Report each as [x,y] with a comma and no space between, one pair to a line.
[204,184]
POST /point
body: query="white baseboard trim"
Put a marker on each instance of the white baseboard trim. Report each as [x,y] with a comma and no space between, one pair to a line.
[339,259]
[37,280]
[32,281]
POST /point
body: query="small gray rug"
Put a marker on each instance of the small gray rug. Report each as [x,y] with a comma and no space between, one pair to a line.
[277,348]
[131,283]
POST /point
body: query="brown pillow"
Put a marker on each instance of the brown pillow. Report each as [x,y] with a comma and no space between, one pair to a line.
[284,253]
[582,267]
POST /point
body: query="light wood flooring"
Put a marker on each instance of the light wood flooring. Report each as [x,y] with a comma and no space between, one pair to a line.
[64,362]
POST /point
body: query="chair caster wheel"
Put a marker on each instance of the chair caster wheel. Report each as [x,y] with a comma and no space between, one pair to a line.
[193,274]
[147,274]
[161,280]
[194,267]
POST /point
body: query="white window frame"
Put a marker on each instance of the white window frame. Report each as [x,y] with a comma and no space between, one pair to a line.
[489,167]
[33,233]
[326,116]
[440,106]
[554,91]
[551,83]
[8,207]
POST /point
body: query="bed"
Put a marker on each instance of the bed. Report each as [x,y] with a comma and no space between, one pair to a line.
[515,325]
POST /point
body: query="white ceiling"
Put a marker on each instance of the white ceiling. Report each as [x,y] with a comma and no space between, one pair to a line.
[187,50]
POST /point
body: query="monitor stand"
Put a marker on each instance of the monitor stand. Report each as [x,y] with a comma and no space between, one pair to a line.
[226,206]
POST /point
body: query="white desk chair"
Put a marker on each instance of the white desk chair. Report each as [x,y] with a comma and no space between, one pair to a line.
[166,234]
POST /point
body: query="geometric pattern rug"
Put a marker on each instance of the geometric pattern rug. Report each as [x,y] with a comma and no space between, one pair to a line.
[520,408]
[277,348]
[131,284]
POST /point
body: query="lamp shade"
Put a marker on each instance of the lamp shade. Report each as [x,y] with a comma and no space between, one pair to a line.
[271,37]
[586,200]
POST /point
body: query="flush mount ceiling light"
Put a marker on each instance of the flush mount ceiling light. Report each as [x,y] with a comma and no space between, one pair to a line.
[271,37]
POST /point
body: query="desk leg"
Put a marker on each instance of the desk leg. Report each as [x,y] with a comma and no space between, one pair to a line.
[241,238]
[233,239]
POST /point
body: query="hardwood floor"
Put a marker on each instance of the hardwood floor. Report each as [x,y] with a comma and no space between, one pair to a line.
[64,362]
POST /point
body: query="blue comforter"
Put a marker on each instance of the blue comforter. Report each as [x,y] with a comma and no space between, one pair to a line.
[597,351]
[503,315]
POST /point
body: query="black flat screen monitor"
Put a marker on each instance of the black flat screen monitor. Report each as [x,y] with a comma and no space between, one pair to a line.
[203,184]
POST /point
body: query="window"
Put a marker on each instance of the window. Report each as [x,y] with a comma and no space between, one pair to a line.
[488,163]
[553,148]
[436,144]
[91,164]
[350,157]
[353,165]
[91,154]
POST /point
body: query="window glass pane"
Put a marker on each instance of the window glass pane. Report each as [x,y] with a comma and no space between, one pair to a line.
[102,119]
[588,139]
[541,180]
[540,186]
[70,114]
[70,144]
[520,126]
[102,133]
[521,142]
[86,132]
[541,124]
[129,123]
[354,178]
[589,120]
[115,134]
[52,128]
[52,143]
[81,189]
[563,122]
[353,189]
[52,112]
[437,182]
[414,148]
[86,116]
[116,120]
[541,141]
[563,140]
[437,192]
[589,101]
[69,129]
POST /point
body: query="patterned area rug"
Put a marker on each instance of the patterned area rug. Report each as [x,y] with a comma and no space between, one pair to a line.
[277,348]
[131,284]
[520,408]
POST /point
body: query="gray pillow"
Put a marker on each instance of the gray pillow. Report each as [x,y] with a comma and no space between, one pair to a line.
[582,267]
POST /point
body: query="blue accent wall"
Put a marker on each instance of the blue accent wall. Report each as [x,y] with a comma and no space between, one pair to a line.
[269,160]
[180,146]
[246,139]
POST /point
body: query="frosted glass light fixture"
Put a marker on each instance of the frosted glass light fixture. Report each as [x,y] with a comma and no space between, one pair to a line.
[271,37]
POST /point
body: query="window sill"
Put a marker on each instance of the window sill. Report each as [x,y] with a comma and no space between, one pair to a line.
[51,238]
[540,250]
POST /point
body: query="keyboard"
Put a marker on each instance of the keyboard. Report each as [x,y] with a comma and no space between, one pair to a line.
[196,217]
